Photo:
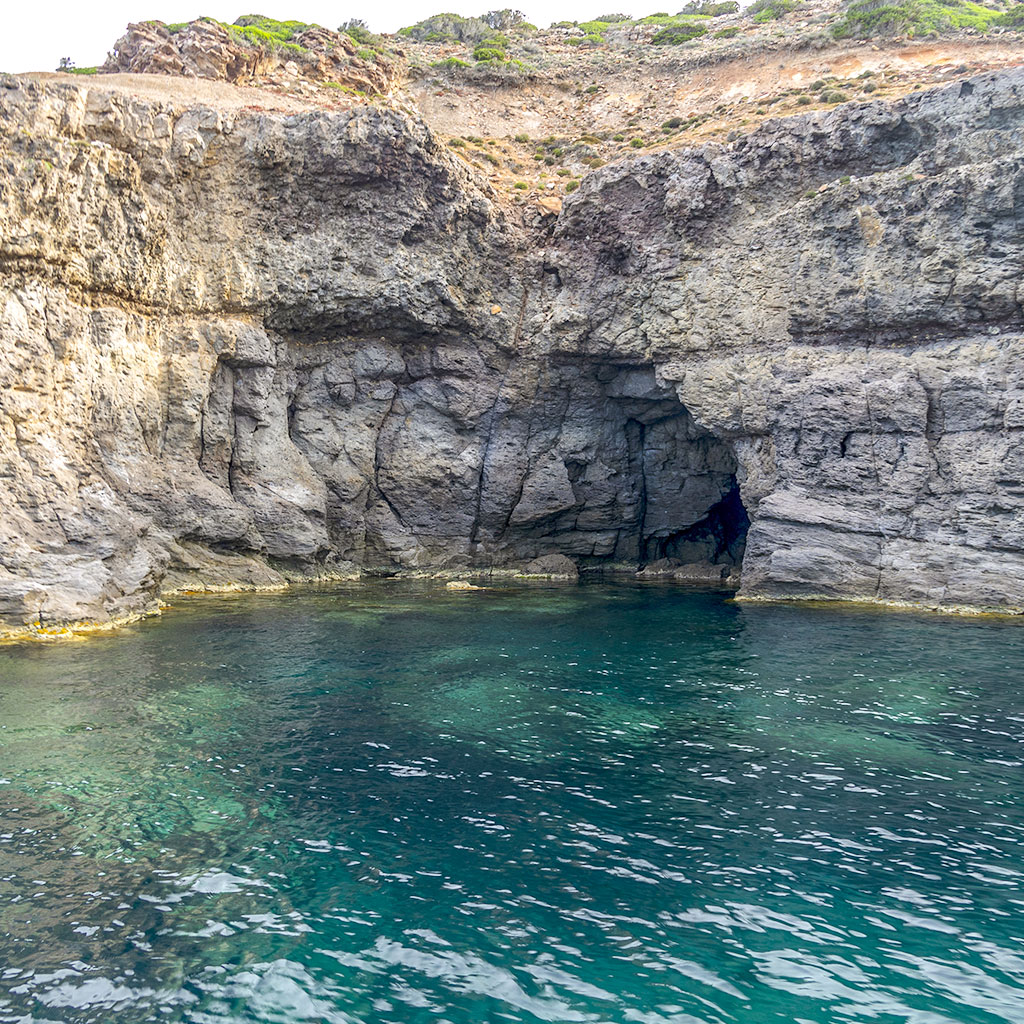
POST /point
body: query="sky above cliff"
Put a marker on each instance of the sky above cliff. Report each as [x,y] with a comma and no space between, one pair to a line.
[37,35]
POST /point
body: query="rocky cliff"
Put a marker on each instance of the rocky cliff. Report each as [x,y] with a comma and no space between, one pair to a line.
[238,348]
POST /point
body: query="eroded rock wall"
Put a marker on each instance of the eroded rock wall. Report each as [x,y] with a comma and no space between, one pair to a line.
[841,297]
[237,349]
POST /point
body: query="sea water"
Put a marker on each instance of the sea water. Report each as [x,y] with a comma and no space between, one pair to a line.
[395,804]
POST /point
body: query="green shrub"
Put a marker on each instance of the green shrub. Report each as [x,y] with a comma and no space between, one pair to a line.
[727,33]
[618,138]
[834,96]
[571,186]
[636,143]
[866,19]
[84,71]
[708,9]
[672,122]
[612,19]
[673,35]
[449,64]
[486,53]
[521,185]
[522,138]
[770,10]
[804,101]
[456,143]
[869,87]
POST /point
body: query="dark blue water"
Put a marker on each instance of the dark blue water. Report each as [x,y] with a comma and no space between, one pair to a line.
[607,804]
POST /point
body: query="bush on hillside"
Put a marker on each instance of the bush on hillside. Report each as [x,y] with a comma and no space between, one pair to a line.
[770,10]
[710,9]
[673,35]
[865,19]
[440,28]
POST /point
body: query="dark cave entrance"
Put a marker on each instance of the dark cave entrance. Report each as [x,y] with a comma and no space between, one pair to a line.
[690,511]
[648,483]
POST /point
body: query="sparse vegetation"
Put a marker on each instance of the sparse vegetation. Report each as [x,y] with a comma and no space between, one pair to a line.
[708,9]
[499,48]
[356,29]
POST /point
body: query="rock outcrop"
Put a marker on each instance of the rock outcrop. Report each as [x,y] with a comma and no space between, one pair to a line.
[241,349]
[205,48]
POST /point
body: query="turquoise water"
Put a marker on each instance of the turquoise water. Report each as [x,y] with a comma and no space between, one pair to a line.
[596,803]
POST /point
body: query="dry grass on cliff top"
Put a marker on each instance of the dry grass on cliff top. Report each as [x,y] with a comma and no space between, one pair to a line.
[535,130]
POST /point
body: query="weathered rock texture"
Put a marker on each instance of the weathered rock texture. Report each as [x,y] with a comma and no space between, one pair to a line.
[239,350]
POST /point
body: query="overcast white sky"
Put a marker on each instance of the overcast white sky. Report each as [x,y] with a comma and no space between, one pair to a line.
[36,35]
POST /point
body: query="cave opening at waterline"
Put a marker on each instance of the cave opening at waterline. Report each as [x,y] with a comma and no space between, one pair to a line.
[678,498]
[605,465]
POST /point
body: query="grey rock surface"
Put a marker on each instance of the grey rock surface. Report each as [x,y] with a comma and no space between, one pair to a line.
[241,349]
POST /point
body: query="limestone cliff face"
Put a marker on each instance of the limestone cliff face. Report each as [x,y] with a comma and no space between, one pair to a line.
[237,349]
